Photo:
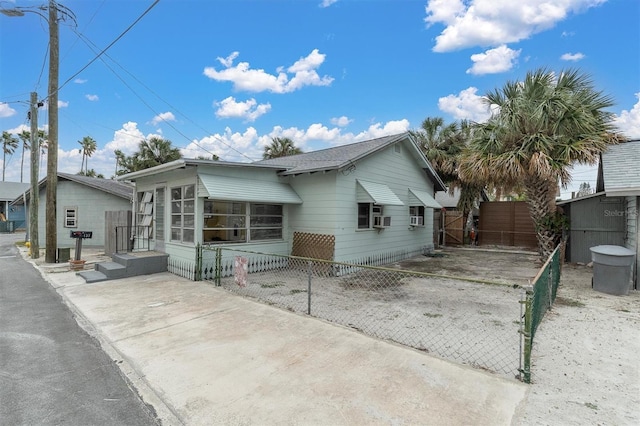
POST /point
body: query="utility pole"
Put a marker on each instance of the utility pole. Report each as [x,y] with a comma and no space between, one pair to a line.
[35,193]
[52,151]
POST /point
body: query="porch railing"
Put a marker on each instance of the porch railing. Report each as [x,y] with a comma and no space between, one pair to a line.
[132,238]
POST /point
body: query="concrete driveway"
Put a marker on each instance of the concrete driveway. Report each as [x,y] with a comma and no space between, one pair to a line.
[203,356]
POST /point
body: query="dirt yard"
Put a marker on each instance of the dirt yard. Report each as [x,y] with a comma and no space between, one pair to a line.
[466,321]
[586,354]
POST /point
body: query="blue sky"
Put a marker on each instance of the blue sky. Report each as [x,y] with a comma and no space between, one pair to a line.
[225,76]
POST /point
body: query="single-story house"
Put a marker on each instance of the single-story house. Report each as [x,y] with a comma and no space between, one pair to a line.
[621,178]
[350,203]
[80,206]
[9,191]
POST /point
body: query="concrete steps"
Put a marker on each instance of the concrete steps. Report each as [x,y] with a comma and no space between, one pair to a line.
[127,265]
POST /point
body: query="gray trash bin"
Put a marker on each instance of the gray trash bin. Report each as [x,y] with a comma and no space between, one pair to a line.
[612,269]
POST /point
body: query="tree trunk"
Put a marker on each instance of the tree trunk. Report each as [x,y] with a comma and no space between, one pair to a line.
[541,195]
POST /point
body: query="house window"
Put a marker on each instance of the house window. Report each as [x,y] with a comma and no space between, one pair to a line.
[416,215]
[364,215]
[240,222]
[183,213]
[71,217]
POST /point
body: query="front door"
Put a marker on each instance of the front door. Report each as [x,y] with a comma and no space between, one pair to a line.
[159,211]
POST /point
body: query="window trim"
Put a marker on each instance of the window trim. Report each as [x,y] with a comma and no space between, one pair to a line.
[66,217]
[421,212]
[245,218]
[182,215]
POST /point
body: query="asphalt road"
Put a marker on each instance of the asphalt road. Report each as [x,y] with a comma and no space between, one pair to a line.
[52,372]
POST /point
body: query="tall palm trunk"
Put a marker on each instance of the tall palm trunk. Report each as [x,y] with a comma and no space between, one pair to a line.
[541,195]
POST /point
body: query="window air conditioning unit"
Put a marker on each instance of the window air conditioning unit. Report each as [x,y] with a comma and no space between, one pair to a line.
[381,221]
[416,221]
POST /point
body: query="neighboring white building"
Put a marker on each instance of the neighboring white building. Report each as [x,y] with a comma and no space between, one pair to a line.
[357,201]
[81,205]
[621,177]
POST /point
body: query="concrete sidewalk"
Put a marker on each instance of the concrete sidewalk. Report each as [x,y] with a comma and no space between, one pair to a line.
[203,356]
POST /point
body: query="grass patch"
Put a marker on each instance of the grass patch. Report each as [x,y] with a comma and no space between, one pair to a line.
[272,285]
[484,312]
[590,405]
[564,301]
[296,291]
[430,315]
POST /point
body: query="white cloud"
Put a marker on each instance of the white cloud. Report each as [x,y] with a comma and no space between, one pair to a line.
[92,98]
[628,122]
[249,110]
[63,104]
[493,61]
[6,110]
[341,121]
[496,22]
[126,139]
[327,3]
[466,105]
[258,80]
[163,116]
[572,57]
[80,81]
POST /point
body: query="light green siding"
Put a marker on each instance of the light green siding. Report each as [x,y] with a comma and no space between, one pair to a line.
[399,171]
[91,207]
[317,213]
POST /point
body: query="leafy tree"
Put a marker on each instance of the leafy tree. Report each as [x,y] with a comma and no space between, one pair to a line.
[91,173]
[152,152]
[25,138]
[543,125]
[9,145]
[88,147]
[280,147]
[204,157]
[585,189]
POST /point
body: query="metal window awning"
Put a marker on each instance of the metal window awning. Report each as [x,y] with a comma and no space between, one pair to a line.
[376,193]
[423,198]
[237,189]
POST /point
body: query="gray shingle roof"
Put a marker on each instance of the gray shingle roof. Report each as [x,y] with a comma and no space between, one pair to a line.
[331,158]
[621,167]
[110,186]
[9,191]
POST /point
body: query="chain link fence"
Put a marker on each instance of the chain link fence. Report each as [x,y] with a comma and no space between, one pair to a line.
[466,320]
[539,299]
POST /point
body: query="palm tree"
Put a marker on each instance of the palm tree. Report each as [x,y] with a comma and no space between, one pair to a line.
[443,145]
[88,147]
[280,147]
[542,127]
[43,143]
[9,145]
[25,137]
[155,151]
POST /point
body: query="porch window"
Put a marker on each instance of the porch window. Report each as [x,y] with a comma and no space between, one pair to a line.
[240,222]
[70,217]
[183,213]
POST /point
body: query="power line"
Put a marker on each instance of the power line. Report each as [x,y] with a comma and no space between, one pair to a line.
[109,46]
[91,45]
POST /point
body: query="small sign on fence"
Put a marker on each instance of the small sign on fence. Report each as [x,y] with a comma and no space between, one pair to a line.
[240,270]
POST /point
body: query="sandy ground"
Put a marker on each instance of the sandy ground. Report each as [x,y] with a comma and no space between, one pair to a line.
[586,354]
[586,358]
